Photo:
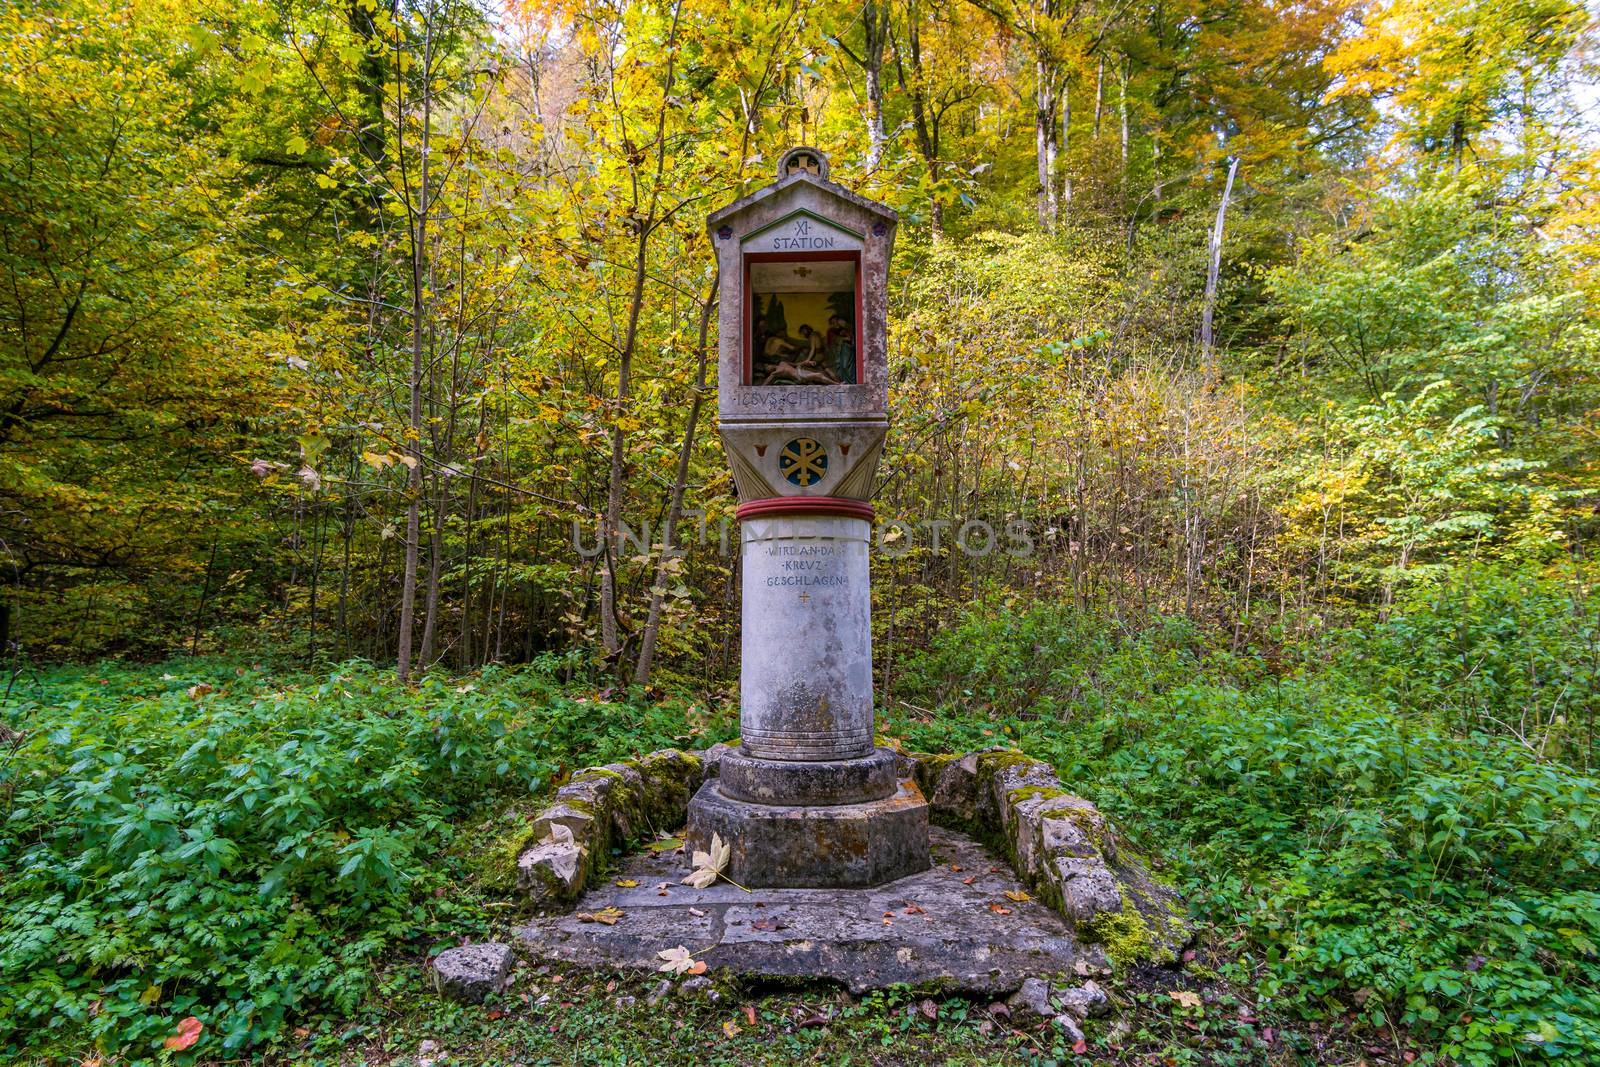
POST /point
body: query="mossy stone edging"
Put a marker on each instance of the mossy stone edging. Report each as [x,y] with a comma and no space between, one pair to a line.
[1061,846]
[553,856]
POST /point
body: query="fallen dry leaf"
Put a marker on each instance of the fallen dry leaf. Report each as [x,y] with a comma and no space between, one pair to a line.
[731,1029]
[969,879]
[708,866]
[605,916]
[1017,895]
[999,909]
[750,1014]
[1185,997]
[679,961]
[912,909]
[1079,1047]
[627,883]
[929,1010]
[188,1030]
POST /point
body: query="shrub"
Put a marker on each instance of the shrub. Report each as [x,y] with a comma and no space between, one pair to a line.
[1380,852]
[244,853]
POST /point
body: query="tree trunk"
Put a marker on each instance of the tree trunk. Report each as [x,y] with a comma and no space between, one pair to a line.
[652,625]
[1213,268]
[430,596]
[646,221]
[927,130]
[875,27]
[1099,93]
[1066,144]
[1124,106]
[419,242]
[1044,136]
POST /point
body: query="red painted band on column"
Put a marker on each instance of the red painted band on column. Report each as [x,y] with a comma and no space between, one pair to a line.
[773,506]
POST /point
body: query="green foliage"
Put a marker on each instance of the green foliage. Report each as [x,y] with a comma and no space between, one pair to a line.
[1387,849]
[247,853]
[124,261]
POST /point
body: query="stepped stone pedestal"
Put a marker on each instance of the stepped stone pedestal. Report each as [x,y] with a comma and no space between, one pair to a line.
[806,801]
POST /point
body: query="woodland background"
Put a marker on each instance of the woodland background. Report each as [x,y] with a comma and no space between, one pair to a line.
[328,330]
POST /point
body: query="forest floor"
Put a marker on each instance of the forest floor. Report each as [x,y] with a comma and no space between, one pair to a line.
[215,860]
[554,1015]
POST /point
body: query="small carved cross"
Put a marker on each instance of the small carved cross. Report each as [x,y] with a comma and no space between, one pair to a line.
[804,272]
[805,598]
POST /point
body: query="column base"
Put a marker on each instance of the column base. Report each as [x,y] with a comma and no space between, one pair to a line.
[797,847]
[809,783]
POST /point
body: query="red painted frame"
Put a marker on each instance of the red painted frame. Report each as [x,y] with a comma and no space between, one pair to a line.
[748,322]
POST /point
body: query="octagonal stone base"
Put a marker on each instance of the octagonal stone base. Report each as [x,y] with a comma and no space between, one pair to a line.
[841,845]
[811,783]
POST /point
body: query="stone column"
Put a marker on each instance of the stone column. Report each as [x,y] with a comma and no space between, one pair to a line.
[807,800]
[805,682]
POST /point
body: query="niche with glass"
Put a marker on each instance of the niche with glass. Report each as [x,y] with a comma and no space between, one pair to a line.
[803,311]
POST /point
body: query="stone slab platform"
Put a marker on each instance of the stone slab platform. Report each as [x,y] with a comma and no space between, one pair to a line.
[930,928]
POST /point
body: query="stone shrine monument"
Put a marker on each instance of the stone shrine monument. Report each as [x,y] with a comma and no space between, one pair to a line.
[806,800]
[827,836]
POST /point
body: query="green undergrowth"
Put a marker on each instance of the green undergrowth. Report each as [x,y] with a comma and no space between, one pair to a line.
[1391,830]
[212,840]
[1390,850]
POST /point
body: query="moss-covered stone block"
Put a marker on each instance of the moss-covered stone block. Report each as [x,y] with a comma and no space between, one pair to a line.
[553,855]
[1061,845]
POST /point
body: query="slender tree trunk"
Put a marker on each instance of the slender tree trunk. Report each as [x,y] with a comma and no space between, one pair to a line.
[925,126]
[612,524]
[652,626]
[875,21]
[430,596]
[1124,107]
[1066,145]
[1044,136]
[1099,93]
[1213,268]
[199,612]
[419,243]
[646,226]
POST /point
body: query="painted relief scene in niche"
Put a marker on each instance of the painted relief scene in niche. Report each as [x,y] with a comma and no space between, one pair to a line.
[803,323]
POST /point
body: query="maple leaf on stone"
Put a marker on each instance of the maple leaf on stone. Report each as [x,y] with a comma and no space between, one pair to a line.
[679,961]
[708,866]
